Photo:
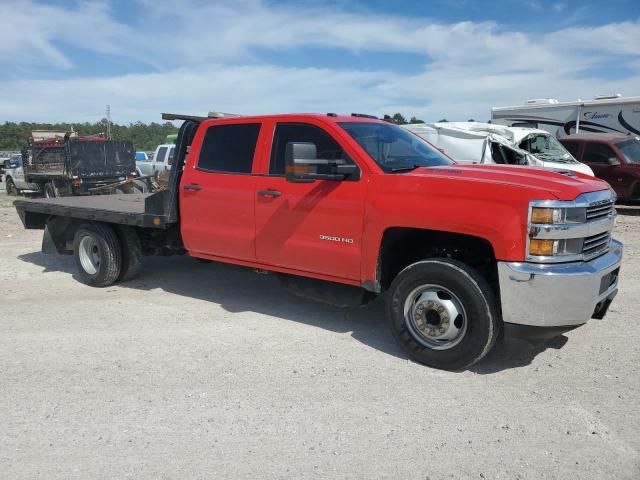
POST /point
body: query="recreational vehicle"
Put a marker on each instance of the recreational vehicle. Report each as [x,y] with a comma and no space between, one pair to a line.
[603,114]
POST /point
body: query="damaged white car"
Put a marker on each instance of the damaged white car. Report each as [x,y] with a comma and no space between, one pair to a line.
[480,143]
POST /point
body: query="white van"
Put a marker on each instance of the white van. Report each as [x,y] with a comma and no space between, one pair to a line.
[486,143]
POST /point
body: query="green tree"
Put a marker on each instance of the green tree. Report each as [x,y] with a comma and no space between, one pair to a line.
[398,119]
[14,136]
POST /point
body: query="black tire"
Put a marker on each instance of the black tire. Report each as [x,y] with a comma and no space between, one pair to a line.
[141,186]
[49,190]
[131,253]
[107,253]
[10,187]
[481,322]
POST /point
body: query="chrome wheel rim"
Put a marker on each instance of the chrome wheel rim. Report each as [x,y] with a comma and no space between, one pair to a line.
[89,254]
[435,317]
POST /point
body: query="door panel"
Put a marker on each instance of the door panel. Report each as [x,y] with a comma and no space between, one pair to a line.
[312,227]
[596,155]
[218,219]
[217,193]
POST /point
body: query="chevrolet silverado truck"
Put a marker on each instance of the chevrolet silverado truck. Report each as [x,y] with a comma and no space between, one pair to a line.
[345,208]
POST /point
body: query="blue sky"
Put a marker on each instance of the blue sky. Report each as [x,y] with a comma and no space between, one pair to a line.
[432,59]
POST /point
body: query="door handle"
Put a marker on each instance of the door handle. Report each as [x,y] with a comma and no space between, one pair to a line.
[193,186]
[269,193]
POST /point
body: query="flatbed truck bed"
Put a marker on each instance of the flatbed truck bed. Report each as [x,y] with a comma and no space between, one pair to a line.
[140,210]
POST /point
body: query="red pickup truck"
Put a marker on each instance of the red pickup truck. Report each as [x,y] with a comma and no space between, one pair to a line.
[344,208]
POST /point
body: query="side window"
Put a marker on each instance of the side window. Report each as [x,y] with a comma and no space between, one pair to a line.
[573,148]
[326,146]
[229,148]
[160,155]
[171,154]
[597,153]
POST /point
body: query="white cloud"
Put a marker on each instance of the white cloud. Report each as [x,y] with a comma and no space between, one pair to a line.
[207,56]
[34,33]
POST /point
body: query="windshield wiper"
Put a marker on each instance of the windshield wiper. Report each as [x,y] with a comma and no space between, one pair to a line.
[408,168]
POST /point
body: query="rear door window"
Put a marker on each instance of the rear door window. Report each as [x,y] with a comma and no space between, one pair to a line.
[161,154]
[171,154]
[229,148]
[597,153]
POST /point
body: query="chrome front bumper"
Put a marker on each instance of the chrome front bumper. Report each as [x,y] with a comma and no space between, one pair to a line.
[554,295]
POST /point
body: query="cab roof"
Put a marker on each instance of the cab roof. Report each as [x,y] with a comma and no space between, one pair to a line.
[327,117]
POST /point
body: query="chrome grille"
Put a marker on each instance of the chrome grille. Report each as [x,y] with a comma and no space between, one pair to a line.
[596,244]
[601,210]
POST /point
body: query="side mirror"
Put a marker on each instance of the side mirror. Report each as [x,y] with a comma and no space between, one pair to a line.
[613,161]
[302,165]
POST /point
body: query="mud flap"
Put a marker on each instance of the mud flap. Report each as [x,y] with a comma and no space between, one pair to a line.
[48,245]
[58,231]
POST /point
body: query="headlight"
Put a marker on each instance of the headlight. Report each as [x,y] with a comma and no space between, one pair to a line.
[549,248]
[568,231]
[546,215]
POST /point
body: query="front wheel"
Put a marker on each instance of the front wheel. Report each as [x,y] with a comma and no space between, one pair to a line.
[443,313]
[98,254]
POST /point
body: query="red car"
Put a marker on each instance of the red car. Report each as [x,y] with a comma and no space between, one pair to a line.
[613,157]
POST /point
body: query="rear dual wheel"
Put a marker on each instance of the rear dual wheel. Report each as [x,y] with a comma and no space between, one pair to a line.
[443,313]
[104,256]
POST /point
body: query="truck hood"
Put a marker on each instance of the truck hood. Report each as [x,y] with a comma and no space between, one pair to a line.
[562,186]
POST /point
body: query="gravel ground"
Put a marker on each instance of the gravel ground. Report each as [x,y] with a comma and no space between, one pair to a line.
[210,371]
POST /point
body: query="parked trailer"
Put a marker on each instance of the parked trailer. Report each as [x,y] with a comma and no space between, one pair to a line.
[603,114]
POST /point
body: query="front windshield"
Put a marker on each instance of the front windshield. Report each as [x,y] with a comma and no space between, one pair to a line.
[547,148]
[393,148]
[630,149]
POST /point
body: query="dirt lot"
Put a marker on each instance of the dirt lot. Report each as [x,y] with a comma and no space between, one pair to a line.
[209,371]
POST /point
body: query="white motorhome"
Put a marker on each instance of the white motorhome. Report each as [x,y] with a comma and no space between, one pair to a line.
[486,143]
[605,113]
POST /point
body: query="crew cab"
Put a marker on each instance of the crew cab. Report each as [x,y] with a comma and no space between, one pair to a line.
[344,208]
[613,157]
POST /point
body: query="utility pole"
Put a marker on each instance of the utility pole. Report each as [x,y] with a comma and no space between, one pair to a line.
[108,122]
